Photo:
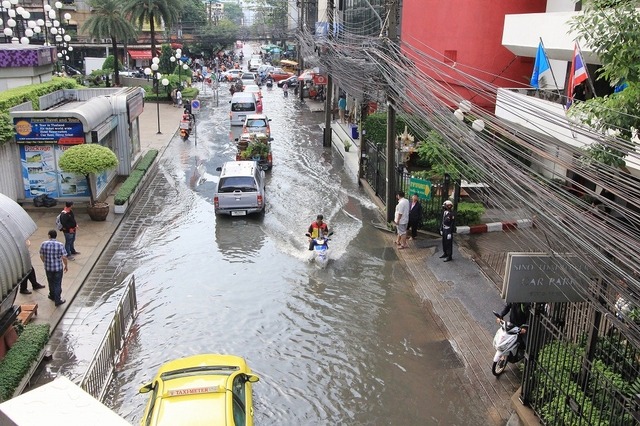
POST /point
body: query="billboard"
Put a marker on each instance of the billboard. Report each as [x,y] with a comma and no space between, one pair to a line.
[57,130]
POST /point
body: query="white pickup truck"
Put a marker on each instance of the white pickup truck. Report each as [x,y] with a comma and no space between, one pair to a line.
[241,189]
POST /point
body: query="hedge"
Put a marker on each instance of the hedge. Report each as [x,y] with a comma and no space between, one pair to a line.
[129,186]
[16,96]
[20,358]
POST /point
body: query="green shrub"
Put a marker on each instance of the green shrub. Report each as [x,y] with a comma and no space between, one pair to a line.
[12,97]
[20,358]
[469,214]
[128,187]
[145,163]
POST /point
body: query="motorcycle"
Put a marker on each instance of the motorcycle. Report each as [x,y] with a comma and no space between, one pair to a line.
[269,82]
[186,125]
[508,345]
[321,249]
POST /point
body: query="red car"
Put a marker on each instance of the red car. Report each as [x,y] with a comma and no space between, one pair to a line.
[279,74]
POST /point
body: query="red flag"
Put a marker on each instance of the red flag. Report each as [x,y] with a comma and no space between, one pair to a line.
[577,75]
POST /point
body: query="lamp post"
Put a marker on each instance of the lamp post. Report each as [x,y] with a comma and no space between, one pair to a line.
[181,65]
[156,84]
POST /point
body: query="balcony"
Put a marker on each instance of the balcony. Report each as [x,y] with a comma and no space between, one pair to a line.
[522,34]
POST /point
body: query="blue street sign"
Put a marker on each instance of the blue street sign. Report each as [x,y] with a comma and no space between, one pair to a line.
[195,105]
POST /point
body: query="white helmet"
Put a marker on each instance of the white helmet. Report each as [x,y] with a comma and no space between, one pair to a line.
[447,203]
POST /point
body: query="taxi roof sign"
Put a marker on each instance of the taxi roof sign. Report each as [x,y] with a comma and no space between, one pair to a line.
[195,391]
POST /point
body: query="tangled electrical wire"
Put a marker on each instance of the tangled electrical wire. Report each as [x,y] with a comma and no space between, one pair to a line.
[579,205]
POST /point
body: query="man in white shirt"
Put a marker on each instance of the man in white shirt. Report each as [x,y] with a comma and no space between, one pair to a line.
[401,220]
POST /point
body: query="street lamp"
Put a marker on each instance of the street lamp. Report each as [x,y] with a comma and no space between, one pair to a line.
[181,65]
[156,84]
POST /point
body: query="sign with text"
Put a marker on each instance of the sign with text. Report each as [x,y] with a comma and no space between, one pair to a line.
[57,130]
[540,277]
[421,187]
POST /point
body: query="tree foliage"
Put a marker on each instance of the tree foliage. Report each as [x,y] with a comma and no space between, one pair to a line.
[233,13]
[154,12]
[612,29]
[217,37]
[107,20]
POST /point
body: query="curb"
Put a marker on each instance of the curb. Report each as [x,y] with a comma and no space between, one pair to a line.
[496,226]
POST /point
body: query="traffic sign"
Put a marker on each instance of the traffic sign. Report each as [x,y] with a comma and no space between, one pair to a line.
[195,105]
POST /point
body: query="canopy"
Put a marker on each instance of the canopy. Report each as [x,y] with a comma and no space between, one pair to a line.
[140,54]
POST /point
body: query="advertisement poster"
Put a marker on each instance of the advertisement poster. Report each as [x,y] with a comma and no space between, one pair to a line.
[59,130]
[41,176]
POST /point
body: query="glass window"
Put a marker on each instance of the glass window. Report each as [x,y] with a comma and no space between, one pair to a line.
[239,399]
[237,183]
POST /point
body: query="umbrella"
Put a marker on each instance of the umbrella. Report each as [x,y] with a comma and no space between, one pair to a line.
[307,75]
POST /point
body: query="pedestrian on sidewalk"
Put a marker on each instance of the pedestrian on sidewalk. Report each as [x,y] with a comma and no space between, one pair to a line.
[30,278]
[54,257]
[69,228]
[401,220]
[285,90]
[342,107]
[446,230]
[178,98]
[415,216]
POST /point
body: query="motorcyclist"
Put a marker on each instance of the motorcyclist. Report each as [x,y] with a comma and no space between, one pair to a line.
[518,315]
[317,228]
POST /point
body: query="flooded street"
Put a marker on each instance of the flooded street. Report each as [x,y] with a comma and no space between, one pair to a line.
[348,344]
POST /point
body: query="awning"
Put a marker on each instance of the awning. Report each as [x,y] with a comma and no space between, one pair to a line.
[140,54]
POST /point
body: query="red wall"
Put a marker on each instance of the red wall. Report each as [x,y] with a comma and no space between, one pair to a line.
[473,28]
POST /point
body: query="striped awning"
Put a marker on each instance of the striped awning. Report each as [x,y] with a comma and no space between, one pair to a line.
[140,54]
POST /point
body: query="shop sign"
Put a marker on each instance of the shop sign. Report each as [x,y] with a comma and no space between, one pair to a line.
[420,187]
[57,130]
[540,277]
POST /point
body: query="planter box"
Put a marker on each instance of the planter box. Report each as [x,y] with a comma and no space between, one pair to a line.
[120,209]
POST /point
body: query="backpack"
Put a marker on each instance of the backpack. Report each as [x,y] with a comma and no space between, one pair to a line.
[59,222]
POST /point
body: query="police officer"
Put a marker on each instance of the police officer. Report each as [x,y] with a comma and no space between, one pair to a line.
[446,230]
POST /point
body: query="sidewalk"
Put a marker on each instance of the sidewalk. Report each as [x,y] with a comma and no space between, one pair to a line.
[93,237]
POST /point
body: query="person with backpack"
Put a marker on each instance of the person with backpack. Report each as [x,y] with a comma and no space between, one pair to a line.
[69,227]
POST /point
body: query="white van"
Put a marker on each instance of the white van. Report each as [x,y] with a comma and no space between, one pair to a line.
[242,105]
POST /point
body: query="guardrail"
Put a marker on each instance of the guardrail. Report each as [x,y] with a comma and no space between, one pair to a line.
[100,371]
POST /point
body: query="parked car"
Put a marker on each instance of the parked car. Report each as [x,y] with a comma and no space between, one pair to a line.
[201,389]
[291,81]
[279,74]
[257,123]
[241,189]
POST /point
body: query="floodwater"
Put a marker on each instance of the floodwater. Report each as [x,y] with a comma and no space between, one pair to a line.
[348,344]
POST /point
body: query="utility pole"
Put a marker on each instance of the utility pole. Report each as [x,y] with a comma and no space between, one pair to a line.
[328,100]
[391,171]
[301,7]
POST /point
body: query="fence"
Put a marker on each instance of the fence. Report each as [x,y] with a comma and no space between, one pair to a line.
[581,369]
[100,371]
[374,172]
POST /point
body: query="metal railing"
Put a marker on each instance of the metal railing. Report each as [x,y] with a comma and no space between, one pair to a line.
[100,371]
[582,369]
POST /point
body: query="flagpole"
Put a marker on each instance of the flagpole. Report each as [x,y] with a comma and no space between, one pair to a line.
[544,51]
[591,86]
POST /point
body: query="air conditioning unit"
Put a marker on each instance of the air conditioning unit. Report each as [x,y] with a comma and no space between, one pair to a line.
[106,40]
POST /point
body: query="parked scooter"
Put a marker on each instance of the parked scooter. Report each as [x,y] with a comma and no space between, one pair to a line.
[321,249]
[509,345]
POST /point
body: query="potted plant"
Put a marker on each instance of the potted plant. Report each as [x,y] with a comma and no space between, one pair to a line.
[87,159]
[347,145]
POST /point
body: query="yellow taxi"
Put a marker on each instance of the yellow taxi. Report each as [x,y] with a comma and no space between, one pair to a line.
[206,389]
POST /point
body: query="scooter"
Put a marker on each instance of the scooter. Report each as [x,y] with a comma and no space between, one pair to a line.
[509,347]
[269,82]
[321,249]
[185,128]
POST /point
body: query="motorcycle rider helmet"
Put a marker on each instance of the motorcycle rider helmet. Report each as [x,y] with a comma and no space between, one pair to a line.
[319,217]
[447,204]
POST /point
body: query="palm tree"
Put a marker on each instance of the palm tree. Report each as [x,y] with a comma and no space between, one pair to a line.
[154,12]
[108,20]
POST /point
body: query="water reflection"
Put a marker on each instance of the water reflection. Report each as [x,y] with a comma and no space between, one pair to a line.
[239,240]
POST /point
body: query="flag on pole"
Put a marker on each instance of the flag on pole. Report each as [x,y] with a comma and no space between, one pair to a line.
[577,75]
[541,68]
